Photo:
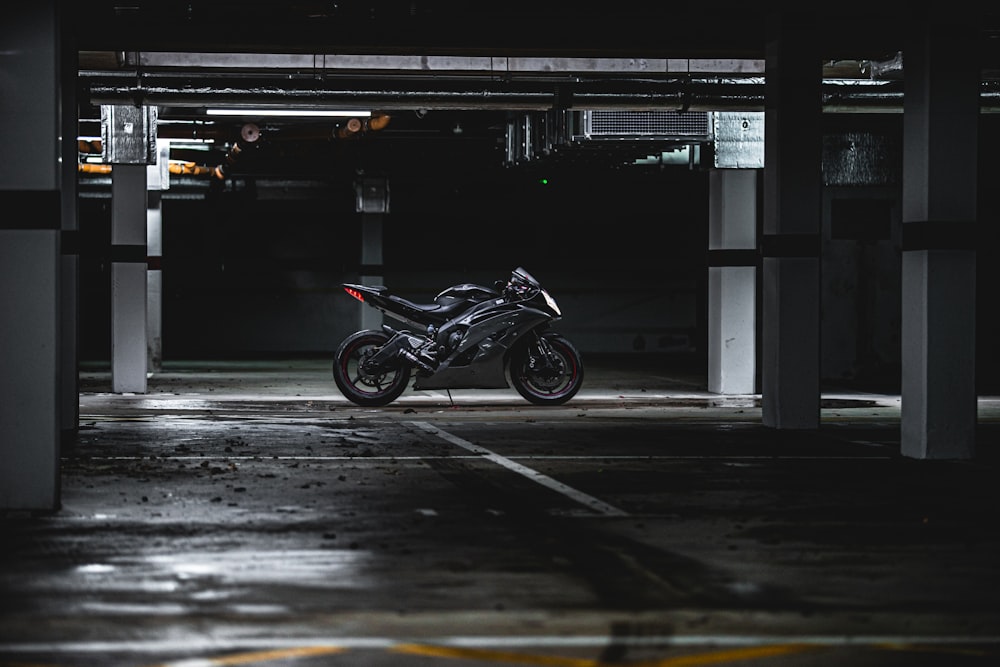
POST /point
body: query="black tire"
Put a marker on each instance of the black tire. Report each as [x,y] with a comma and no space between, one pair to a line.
[359,387]
[543,385]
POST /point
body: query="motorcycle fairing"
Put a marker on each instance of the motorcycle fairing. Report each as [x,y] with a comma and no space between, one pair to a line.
[466,292]
[489,336]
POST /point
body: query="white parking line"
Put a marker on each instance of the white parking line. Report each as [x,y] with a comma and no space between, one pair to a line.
[580,497]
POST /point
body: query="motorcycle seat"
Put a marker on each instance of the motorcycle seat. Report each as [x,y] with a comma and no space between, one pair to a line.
[451,302]
[413,305]
[442,309]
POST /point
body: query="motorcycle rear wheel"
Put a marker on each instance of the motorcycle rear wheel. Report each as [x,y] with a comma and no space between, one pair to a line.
[367,388]
[540,383]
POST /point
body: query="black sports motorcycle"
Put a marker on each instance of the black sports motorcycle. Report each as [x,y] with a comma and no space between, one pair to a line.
[470,337]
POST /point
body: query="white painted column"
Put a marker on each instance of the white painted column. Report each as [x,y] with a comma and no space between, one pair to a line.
[128,278]
[732,281]
[30,262]
[940,134]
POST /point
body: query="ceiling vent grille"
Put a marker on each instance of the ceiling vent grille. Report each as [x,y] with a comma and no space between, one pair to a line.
[646,124]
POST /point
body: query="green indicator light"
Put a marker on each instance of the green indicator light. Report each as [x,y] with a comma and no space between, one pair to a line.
[543,181]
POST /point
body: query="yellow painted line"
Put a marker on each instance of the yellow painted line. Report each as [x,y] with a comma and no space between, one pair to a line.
[713,658]
[492,656]
[257,656]
[733,655]
[260,656]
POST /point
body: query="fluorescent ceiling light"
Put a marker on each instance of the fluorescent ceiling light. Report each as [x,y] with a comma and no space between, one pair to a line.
[288,112]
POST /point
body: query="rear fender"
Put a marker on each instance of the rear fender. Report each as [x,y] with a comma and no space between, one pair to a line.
[387,303]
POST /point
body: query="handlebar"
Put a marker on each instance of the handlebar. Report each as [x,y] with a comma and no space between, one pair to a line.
[518,285]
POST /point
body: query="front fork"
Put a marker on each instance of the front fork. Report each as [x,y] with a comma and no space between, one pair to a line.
[542,359]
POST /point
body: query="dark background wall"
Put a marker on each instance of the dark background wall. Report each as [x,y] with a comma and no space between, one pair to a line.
[257,272]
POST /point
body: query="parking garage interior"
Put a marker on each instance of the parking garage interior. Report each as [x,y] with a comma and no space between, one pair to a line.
[496,137]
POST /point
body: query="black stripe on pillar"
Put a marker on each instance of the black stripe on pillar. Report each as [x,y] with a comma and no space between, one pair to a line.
[154,263]
[740,257]
[128,253]
[790,245]
[69,242]
[939,235]
[31,209]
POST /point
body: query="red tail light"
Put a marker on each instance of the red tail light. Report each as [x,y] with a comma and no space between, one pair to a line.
[355,293]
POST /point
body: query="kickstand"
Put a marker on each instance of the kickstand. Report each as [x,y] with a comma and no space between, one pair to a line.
[450,399]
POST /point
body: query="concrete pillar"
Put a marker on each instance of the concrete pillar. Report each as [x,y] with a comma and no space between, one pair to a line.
[371,262]
[30,257]
[940,134]
[732,281]
[157,181]
[790,247]
[154,282]
[128,278]
[372,204]
[69,371]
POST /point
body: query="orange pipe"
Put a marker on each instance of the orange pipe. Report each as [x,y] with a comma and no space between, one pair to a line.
[377,122]
[93,146]
[350,129]
[189,169]
[90,168]
[179,168]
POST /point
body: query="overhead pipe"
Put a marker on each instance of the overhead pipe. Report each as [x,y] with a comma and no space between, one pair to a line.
[185,168]
[232,157]
[350,129]
[93,168]
[377,121]
[194,169]
[698,94]
[395,99]
[355,127]
[90,146]
[174,167]
[687,97]
[250,134]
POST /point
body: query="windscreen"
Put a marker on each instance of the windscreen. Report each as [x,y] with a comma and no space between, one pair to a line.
[520,275]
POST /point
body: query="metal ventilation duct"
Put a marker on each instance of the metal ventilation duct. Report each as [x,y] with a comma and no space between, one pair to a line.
[659,125]
[739,140]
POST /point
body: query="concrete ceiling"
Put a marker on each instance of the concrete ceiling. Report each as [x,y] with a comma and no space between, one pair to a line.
[437,68]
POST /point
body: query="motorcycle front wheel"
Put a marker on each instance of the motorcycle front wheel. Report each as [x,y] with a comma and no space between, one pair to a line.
[547,371]
[367,387]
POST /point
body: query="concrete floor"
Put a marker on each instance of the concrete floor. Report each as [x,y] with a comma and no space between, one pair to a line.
[246,513]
